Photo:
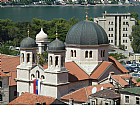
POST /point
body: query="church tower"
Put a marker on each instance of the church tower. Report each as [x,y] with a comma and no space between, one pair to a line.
[42,41]
[28,55]
[56,73]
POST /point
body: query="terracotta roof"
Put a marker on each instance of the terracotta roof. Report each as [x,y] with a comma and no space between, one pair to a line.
[31,99]
[100,70]
[106,93]
[8,65]
[121,79]
[75,72]
[82,94]
[118,64]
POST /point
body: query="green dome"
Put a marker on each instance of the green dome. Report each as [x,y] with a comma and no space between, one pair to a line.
[56,45]
[86,33]
[28,42]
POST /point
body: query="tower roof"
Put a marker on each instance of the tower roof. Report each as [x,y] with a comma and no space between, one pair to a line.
[86,33]
[56,45]
[41,36]
[28,42]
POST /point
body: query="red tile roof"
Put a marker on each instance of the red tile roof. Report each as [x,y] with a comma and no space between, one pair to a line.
[8,65]
[100,70]
[118,64]
[121,79]
[75,72]
[31,99]
[82,94]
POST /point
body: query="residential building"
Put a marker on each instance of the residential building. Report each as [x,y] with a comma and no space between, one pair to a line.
[130,96]
[8,86]
[118,27]
[104,97]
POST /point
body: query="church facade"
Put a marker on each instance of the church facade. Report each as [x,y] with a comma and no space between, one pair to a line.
[79,62]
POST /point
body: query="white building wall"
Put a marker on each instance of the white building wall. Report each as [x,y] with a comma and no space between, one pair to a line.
[132,99]
[108,22]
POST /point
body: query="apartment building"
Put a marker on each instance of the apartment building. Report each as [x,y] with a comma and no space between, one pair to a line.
[118,27]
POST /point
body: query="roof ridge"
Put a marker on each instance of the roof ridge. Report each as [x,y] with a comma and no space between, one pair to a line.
[81,68]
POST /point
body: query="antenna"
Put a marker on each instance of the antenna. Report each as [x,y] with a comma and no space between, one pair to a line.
[28,31]
[94,90]
[56,34]
[86,9]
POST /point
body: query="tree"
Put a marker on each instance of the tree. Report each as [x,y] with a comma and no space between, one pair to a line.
[135,37]
[135,15]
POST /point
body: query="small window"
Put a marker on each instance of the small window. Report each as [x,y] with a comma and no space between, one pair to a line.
[42,77]
[71,53]
[37,74]
[75,53]
[0,84]
[123,29]
[28,57]
[123,35]
[123,23]
[126,41]
[51,62]
[1,97]
[137,100]
[106,103]
[112,22]
[56,61]
[111,41]
[111,35]
[126,99]
[86,54]
[103,53]
[62,61]
[33,58]
[22,57]
[90,54]
[126,29]
[111,29]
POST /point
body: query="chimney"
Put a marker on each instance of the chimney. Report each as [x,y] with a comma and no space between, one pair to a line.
[71,101]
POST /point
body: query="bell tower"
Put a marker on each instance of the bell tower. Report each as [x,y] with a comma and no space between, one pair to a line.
[56,73]
[28,55]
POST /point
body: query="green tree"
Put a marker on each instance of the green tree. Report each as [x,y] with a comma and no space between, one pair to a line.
[135,37]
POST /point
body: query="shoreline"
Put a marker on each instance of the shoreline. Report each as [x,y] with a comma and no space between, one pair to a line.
[68,5]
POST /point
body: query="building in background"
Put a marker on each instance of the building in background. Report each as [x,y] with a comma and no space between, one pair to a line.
[118,27]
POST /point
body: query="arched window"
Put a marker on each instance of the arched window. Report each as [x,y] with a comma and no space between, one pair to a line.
[33,58]
[32,76]
[56,60]
[22,57]
[0,83]
[103,53]
[62,61]
[42,77]
[86,54]
[37,74]
[0,97]
[28,57]
[51,62]
[75,53]
[71,53]
[90,54]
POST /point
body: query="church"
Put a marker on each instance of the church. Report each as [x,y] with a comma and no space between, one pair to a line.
[81,61]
